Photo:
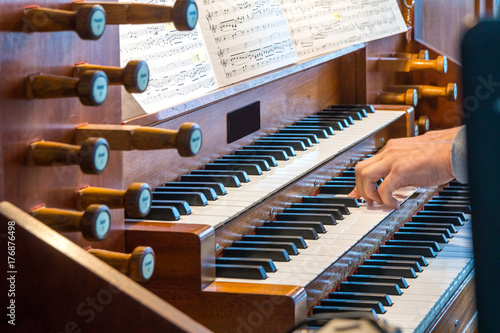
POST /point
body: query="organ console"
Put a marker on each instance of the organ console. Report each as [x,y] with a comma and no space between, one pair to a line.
[136,199]
[91,87]
[94,223]
[89,21]
[184,13]
[252,234]
[139,264]
[135,75]
[92,155]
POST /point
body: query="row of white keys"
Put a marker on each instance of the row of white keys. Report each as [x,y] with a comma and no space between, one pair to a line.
[418,306]
[237,200]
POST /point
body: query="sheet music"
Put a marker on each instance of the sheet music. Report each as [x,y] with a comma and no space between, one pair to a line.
[178,62]
[245,38]
[323,26]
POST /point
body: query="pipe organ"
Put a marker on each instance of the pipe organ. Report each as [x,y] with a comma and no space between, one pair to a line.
[227,212]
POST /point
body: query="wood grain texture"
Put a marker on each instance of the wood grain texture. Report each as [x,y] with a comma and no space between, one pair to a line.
[74,290]
[51,119]
[184,253]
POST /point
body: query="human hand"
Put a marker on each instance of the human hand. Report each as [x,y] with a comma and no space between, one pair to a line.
[418,161]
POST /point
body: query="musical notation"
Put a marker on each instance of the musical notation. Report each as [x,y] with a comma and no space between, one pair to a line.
[240,39]
[330,25]
[245,38]
[179,64]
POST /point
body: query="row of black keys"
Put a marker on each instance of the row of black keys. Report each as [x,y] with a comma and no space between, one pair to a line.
[201,186]
[385,273]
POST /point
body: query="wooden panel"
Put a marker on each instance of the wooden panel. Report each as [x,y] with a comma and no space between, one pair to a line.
[52,119]
[184,253]
[59,287]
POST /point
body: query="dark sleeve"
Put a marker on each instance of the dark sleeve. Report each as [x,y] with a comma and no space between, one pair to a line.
[459,156]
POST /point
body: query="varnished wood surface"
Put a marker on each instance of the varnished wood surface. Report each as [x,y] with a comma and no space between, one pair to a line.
[26,121]
[73,290]
[184,253]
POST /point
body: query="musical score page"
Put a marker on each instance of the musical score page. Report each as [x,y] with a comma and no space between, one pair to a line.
[178,62]
[318,27]
[245,38]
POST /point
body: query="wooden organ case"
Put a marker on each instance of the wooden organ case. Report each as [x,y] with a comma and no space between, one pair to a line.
[55,277]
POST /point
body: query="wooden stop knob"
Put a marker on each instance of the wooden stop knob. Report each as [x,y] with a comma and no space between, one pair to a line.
[92,155]
[94,223]
[138,265]
[89,21]
[136,199]
[409,97]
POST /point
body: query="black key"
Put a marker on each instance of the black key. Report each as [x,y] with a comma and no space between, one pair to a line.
[207,191]
[342,207]
[181,205]
[453,198]
[338,309]
[354,115]
[460,215]
[398,249]
[307,233]
[320,133]
[262,164]
[435,237]
[242,175]
[443,231]
[448,226]
[328,129]
[305,140]
[382,298]
[312,137]
[406,272]
[287,149]
[435,246]
[297,240]
[455,220]
[454,193]
[296,216]
[341,182]
[336,125]
[289,247]
[361,111]
[295,144]
[335,213]
[350,179]
[318,226]
[268,158]
[165,213]
[367,107]
[228,180]
[406,263]
[375,305]
[267,264]
[250,169]
[449,202]
[240,272]
[192,198]
[277,154]
[246,252]
[418,258]
[336,189]
[457,183]
[348,173]
[349,202]
[399,280]
[346,119]
[218,187]
[370,287]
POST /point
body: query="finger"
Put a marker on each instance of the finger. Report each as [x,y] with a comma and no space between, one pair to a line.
[368,178]
[354,194]
[390,184]
[359,171]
